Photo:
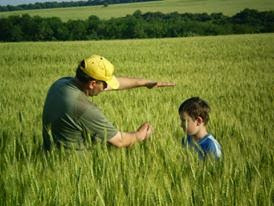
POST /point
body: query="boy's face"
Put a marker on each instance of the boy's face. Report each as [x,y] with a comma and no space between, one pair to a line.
[190,126]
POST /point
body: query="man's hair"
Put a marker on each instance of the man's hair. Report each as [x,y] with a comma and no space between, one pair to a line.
[195,107]
[81,75]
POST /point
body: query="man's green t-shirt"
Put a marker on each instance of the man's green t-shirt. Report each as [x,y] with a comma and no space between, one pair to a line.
[72,119]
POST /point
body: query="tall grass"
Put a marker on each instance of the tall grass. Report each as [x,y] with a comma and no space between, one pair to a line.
[234,73]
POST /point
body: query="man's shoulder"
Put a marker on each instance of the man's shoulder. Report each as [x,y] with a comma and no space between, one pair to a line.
[83,106]
[60,82]
[63,79]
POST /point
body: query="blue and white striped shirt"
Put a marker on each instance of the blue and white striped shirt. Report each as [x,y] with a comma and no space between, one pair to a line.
[208,145]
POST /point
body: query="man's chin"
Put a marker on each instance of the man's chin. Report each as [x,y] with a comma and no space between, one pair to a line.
[95,94]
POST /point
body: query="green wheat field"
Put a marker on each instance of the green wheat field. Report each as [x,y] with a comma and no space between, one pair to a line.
[227,7]
[233,73]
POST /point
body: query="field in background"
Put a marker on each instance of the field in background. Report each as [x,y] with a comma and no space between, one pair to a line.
[234,73]
[227,7]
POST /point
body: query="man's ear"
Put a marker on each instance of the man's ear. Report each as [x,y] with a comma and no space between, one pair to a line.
[200,120]
[91,84]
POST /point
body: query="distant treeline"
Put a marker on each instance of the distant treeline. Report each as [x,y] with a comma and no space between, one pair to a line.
[54,4]
[137,25]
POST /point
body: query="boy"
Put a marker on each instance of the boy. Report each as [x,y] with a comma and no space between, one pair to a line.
[194,115]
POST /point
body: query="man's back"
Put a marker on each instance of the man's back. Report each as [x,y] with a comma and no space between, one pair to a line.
[71,117]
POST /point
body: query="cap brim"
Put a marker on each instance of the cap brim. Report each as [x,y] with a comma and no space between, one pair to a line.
[113,83]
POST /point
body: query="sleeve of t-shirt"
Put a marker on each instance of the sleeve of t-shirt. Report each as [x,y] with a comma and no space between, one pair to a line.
[96,122]
[214,149]
[187,141]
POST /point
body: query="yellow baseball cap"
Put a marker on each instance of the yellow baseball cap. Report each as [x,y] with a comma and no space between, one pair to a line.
[100,68]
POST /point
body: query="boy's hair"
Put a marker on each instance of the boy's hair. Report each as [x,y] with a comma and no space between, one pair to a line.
[195,107]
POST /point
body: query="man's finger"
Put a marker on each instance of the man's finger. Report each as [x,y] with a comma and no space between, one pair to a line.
[165,84]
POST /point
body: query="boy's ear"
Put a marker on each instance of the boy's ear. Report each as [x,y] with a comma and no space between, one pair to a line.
[200,120]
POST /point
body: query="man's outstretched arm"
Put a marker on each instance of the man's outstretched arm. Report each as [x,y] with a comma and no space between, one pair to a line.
[129,83]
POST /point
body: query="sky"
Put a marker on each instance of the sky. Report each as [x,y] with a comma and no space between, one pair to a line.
[17,2]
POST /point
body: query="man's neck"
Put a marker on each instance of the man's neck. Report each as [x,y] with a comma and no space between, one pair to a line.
[81,86]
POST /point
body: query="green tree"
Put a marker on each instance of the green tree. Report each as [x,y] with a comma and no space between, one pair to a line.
[59,29]
[9,31]
[93,24]
[77,29]
[133,27]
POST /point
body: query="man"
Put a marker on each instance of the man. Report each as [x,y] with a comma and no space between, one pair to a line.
[70,120]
